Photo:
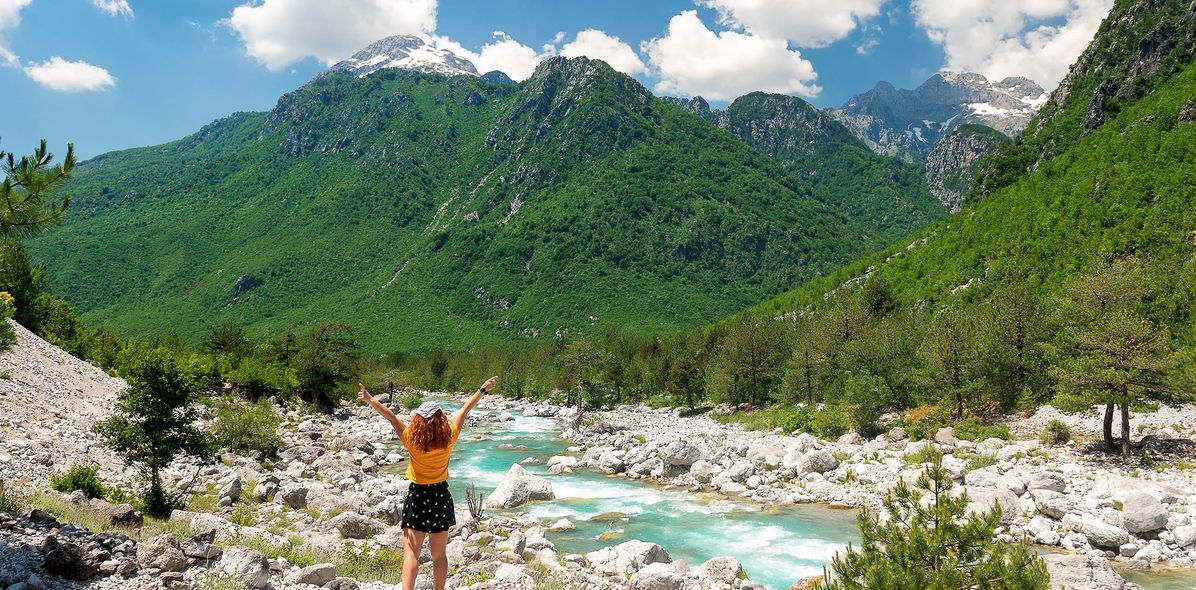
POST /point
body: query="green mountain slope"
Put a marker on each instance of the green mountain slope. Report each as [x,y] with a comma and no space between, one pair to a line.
[444,213]
[1124,188]
[1139,46]
[881,192]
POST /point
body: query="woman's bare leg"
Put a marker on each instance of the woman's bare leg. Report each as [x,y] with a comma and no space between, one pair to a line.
[413,543]
[436,544]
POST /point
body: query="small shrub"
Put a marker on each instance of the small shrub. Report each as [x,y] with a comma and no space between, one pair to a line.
[241,515]
[927,454]
[411,401]
[5,375]
[248,427]
[980,462]
[365,564]
[1056,433]
[84,478]
[8,307]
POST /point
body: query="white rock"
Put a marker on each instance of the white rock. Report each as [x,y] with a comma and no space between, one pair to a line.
[248,565]
[1082,572]
[519,487]
[1143,513]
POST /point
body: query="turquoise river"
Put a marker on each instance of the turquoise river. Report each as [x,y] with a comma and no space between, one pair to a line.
[777,545]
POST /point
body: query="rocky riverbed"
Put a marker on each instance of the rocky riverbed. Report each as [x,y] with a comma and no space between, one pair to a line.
[323,513]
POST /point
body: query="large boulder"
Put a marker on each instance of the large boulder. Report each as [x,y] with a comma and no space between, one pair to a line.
[162,552]
[1143,513]
[627,558]
[519,487]
[681,454]
[1185,536]
[701,471]
[983,500]
[1047,480]
[70,561]
[1101,533]
[819,461]
[352,525]
[946,436]
[1082,572]
[293,495]
[1052,504]
[317,575]
[657,576]
[247,565]
[120,515]
[720,570]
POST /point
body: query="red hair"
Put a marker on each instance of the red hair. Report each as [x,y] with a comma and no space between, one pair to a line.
[429,433]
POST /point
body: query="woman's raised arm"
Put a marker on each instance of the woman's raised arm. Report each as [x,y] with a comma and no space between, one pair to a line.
[463,413]
[381,408]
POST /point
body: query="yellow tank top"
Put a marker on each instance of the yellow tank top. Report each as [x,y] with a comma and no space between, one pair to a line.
[431,466]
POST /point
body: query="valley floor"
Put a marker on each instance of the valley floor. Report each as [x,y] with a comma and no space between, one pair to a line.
[288,521]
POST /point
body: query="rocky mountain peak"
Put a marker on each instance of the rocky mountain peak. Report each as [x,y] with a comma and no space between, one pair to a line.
[909,123]
[407,52]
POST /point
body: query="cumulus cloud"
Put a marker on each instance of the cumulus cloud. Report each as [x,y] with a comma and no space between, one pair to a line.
[70,76]
[805,23]
[10,17]
[115,7]
[279,33]
[1039,39]
[503,53]
[691,60]
[597,44]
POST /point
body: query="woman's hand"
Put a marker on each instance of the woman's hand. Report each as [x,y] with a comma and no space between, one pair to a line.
[490,383]
[363,395]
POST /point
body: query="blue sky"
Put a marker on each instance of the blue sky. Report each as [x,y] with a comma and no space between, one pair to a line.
[111,74]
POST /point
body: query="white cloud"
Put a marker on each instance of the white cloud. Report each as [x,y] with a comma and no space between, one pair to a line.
[70,76]
[279,33]
[504,54]
[691,59]
[1039,39]
[10,17]
[806,23]
[596,44]
[115,7]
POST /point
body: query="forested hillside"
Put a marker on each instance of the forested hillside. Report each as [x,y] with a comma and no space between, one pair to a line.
[445,213]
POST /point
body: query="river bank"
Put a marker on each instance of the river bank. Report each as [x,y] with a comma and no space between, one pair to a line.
[645,498]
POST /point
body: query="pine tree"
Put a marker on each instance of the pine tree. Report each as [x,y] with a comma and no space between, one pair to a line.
[579,355]
[28,205]
[753,354]
[1109,353]
[925,540]
[950,356]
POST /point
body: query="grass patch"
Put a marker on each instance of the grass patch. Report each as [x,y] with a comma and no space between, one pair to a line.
[10,501]
[295,553]
[367,564]
[214,580]
[241,515]
[65,511]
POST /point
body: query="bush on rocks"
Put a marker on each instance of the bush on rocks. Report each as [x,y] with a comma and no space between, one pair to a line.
[248,427]
[82,477]
[1056,433]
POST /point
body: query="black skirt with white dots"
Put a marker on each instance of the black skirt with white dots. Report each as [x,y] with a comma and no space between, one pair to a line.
[429,508]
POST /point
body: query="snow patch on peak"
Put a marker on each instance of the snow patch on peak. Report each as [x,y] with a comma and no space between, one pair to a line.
[407,52]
